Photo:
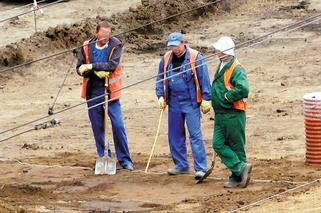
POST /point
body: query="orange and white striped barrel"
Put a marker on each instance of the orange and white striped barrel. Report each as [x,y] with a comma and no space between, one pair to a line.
[312,117]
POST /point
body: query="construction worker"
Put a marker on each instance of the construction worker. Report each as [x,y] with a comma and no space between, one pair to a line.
[98,60]
[186,90]
[229,92]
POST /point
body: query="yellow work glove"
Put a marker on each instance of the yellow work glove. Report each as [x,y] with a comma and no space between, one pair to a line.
[206,106]
[85,68]
[102,74]
[161,102]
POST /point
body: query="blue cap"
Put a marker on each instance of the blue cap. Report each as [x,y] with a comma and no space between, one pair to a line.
[174,39]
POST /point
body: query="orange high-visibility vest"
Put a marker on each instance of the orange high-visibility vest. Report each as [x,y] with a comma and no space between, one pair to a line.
[240,104]
[193,56]
[115,81]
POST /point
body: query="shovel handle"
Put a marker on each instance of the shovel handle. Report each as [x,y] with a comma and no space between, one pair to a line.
[156,136]
[106,110]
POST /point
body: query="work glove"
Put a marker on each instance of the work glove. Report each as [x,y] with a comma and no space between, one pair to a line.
[102,74]
[206,106]
[161,102]
[85,68]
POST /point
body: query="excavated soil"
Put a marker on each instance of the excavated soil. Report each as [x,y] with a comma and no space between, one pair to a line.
[147,38]
[51,170]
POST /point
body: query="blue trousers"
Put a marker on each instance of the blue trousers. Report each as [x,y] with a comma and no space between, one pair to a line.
[180,112]
[96,116]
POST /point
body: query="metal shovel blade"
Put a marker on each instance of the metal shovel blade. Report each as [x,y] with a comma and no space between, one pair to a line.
[110,166]
[208,172]
[100,166]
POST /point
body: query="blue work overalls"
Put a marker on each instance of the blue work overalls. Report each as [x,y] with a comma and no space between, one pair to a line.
[96,115]
[180,110]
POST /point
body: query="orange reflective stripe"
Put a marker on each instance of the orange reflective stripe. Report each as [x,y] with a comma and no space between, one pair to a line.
[228,74]
[166,60]
[84,87]
[85,80]
[86,51]
[193,56]
[240,104]
[115,81]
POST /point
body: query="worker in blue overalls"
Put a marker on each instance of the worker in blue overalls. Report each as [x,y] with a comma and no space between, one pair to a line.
[98,60]
[183,84]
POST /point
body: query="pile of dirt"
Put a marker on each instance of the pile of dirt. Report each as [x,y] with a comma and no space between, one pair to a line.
[147,38]
[6,207]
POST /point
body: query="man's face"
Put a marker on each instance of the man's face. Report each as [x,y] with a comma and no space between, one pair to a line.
[220,55]
[178,50]
[103,35]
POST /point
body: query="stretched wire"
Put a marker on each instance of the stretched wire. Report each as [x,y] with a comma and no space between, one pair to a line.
[119,34]
[31,11]
[250,42]
[22,6]
[275,195]
[109,100]
[60,88]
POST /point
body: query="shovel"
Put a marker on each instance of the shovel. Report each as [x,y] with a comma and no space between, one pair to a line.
[110,163]
[208,172]
[106,165]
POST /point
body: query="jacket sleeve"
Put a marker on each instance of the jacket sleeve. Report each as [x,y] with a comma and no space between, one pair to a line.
[241,87]
[81,60]
[112,64]
[203,77]
[159,80]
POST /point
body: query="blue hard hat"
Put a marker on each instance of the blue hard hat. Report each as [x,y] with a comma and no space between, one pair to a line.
[174,39]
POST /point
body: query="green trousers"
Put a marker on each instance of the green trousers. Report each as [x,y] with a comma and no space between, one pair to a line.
[229,140]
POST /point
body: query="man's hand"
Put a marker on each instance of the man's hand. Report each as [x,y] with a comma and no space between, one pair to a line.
[227,99]
[206,106]
[85,68]
[102,74]
[161,102]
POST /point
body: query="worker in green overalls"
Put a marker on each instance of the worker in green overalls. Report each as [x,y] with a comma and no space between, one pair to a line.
[229,92]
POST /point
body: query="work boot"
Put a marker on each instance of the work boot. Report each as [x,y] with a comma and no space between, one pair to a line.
[175,171]
[199,175]
[246,176]
[129,167]
[232,183]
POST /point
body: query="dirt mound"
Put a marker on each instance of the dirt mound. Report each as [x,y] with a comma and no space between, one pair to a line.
[153,36]
[19,190]
[147,38]
[6,207]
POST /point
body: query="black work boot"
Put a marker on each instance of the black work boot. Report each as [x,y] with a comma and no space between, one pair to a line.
[246,176]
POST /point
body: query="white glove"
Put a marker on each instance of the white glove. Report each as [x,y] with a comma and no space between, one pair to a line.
[206,106]
[85,68]
[161,102]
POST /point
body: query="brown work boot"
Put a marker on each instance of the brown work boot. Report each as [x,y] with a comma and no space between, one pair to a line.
[246,176]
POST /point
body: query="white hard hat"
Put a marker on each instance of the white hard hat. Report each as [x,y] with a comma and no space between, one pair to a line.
[225,45]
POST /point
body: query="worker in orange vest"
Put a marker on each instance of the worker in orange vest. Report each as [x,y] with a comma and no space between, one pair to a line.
[184,85]
[99,60]
[230,90]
